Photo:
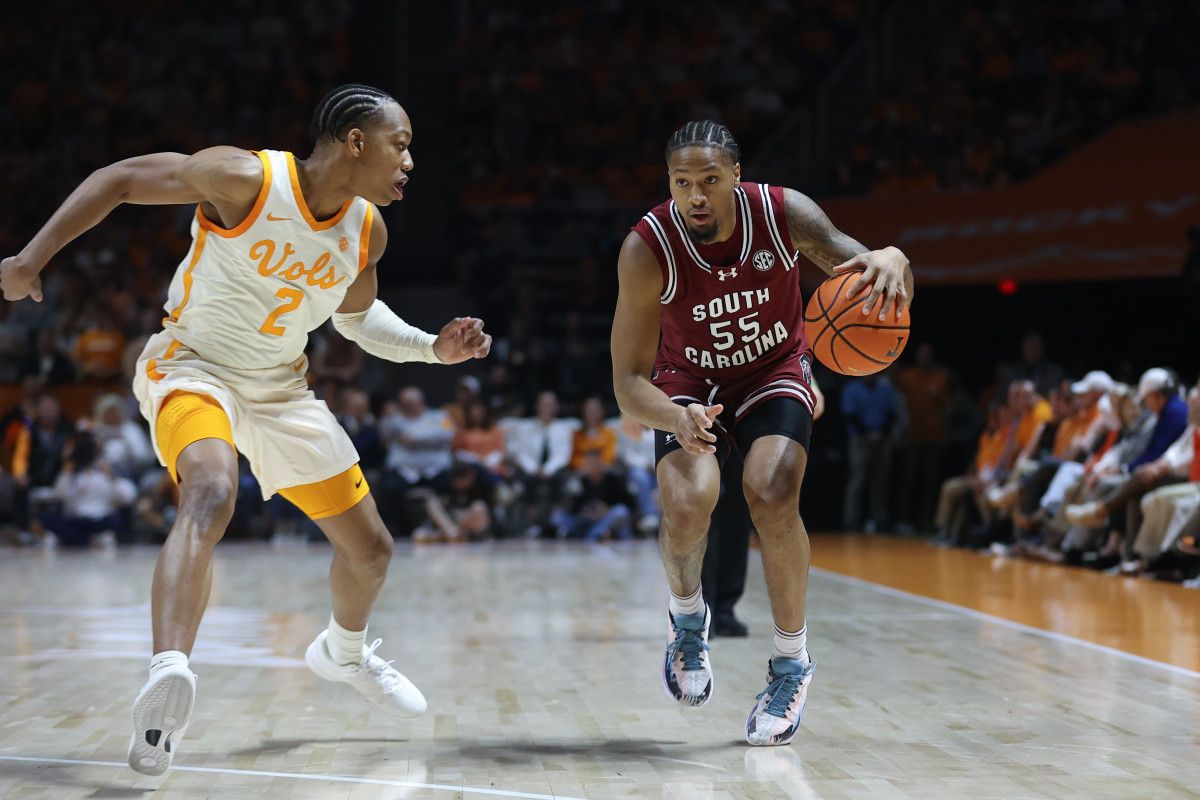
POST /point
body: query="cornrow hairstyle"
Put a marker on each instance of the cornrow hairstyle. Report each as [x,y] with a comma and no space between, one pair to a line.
[704,133]
[346,107]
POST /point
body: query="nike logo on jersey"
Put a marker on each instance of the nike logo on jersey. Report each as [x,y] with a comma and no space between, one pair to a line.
[358,483]
[272,218]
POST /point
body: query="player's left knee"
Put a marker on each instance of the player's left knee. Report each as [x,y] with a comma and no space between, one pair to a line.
[772,496]
[374,550]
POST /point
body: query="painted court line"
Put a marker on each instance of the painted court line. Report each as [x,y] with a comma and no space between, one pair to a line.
[1007,623]
[301,777]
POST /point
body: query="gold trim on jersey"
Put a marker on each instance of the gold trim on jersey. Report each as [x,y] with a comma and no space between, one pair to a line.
[255,210]
[201,238]
[364,239]
[303,205]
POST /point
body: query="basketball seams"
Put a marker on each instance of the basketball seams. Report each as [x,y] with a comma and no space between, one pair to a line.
[839,332]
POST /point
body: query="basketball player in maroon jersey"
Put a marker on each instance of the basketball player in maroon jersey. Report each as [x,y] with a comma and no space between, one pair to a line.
[709,349]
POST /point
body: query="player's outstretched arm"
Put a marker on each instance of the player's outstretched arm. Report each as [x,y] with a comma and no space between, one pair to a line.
[634,343]
[364,318]
[226,177]
[886,271]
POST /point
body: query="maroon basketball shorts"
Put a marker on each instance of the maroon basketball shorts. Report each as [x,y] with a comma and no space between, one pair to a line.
[776,400]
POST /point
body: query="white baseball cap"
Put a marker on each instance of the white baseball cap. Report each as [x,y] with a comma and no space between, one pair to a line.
[1154,379]
[1095,381]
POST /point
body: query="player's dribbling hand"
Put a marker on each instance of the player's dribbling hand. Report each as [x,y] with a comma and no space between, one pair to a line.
[693,430]
[19,279]
[888,274]
[461,339]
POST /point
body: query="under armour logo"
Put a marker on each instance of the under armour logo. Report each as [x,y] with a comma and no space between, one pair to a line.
[722,274]
[670,438]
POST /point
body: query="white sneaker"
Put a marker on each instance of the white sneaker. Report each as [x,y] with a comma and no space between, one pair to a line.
[160,718]
[687,674]
[776,716]
[375,679]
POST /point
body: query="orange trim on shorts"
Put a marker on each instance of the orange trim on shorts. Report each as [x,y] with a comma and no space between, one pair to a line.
[329,497]
[185,418]
[364,239]
[302,204]
[255,210]
[152,365]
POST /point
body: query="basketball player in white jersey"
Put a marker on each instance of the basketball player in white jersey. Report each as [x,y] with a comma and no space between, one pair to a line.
[279,246]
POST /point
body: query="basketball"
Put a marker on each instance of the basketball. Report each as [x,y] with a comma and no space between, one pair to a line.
[843,338]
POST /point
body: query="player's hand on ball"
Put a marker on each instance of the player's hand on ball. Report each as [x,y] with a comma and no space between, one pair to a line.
[19,279]
[462,339]
[888,274]
[693,429]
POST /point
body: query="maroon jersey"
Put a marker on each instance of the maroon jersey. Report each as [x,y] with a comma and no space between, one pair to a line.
[733,309]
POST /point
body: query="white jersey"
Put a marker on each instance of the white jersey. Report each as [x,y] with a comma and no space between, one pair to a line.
[247,297]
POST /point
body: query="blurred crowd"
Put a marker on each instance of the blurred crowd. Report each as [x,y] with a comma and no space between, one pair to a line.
[1080,469]
[455,473]
[1011,87]
[549,188]
[1087,470]
[1084,468]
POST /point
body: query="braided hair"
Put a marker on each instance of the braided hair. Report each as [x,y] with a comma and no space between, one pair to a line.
[348,106]
[704,133]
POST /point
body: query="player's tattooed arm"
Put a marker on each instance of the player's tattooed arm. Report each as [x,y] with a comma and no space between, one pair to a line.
[886,272]
[815,236]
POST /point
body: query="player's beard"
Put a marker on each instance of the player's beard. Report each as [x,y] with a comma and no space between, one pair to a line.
[703,234]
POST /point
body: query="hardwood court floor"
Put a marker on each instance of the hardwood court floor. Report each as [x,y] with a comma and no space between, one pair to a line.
[540,662]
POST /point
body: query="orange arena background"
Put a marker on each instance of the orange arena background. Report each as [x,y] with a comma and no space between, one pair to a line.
[1116,208]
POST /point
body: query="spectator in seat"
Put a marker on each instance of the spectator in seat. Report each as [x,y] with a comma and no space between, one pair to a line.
[461,510]
[593,436]
[99,348]
[359,423]
[541,449]
[635,453]
[479,440]
[94,499]
[601,508]
[124,444]
[417,438]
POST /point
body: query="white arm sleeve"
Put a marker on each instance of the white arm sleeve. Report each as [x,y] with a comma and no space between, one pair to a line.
[381,333]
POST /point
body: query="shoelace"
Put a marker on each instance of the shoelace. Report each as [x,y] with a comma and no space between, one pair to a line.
[382,670]
[782,690]
[689,643]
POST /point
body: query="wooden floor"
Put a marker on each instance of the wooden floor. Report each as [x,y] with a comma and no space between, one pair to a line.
[939,675]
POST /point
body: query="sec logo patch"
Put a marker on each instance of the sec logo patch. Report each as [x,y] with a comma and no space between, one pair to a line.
[763,260]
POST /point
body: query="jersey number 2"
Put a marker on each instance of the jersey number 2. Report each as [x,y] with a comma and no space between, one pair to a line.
[293,298]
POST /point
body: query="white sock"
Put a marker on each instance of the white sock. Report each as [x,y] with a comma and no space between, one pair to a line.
[790,644]
[167,658]
[692,604]
[345,647]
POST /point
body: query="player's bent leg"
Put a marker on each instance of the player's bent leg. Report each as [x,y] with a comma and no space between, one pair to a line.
[346,512]
[689,486]
[195,437]
[771,481]
[772,478]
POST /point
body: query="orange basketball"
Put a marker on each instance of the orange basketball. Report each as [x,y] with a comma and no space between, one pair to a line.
[846,340]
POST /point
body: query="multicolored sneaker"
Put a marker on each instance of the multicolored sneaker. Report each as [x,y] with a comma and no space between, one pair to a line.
[687,675]
[776,716]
